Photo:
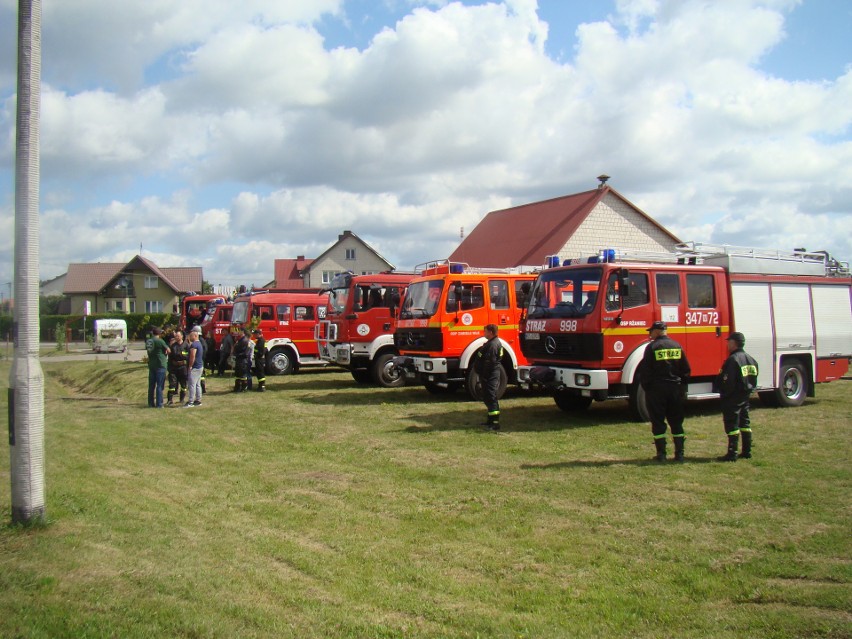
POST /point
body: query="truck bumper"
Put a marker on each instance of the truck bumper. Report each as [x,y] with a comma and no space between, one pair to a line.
[563,377]
[335,353]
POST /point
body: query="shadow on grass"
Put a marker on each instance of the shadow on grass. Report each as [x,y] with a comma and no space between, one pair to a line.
[602,463]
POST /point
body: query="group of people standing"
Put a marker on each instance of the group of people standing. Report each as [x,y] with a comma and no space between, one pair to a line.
[183,360]
[665,376]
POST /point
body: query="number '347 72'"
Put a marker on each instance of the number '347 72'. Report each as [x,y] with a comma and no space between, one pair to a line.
[702,317]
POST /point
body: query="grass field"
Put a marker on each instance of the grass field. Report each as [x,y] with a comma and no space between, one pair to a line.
[326,509]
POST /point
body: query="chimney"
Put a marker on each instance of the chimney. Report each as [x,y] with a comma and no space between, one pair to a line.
[602,179]
[345,234]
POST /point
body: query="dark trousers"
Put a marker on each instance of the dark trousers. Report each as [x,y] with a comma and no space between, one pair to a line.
[665,403]
[735,414]
[177,379]
[156,382]
[490,385]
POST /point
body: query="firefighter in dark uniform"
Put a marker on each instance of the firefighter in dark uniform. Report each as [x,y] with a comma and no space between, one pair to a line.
[665,374]
[735,382]
[487,365]
[241,361]
[259,359]
[177,362]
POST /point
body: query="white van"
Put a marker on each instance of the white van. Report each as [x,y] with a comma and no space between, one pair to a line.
[110,335]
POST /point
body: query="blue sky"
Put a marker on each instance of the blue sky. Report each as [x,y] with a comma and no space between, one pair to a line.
[226,135]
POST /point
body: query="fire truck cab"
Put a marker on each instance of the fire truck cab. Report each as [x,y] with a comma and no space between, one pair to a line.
[585,331]
[442,318]
[195,308]
[287,320]
[357,333]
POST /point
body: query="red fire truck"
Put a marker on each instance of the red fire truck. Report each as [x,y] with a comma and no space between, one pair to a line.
[585,331]
[194,309]
[217,324]
[440,324]
[287,320]
[358,330]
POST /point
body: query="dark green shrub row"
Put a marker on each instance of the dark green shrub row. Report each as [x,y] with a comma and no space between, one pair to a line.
[81,327]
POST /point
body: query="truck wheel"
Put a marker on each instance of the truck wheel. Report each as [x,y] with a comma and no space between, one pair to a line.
[280,361]
[570,402]
[473,383]
[794,384]
[638,403]
[361,375]
[385,374]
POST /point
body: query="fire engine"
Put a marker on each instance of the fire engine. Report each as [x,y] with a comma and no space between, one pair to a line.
[585,330]
[217,324]
[195,308]
[287,320]
[442,318]
[358,330]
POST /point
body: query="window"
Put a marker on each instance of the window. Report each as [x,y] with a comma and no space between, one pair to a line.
[151,281]
[263,312]
[153,306]
[472,296]
[699,291]
[668,288]
[637,290]
[350,254]
[304,313]
[133,306]
[327,276]
[522,293]
[118,305]
[499,294]
[283,313]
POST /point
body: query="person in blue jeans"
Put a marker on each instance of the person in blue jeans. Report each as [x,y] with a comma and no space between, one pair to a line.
[158,354]
[196,369]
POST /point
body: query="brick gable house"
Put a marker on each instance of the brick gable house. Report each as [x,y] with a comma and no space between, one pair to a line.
[571,226]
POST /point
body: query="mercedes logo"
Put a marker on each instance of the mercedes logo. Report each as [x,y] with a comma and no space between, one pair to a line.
[550,344]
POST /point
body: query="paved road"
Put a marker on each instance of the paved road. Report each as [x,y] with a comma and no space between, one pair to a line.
[76,352]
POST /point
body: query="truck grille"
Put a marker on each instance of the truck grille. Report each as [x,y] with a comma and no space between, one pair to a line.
[563,347]
[421,339]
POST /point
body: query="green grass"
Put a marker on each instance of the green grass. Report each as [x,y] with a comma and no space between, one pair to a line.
[327,509]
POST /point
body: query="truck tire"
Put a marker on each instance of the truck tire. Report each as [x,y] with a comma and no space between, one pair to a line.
[473,384]
[385,374]
[280,361]
[638,404]
[361,375]
[571,402]
[794,384]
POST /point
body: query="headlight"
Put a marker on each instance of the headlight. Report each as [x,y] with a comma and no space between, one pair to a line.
[427,365]
[582,379]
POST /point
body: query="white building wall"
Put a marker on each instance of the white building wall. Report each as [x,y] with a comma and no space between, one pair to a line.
[615,224]
[335,260]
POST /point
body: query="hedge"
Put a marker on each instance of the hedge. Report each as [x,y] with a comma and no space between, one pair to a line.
[137,324]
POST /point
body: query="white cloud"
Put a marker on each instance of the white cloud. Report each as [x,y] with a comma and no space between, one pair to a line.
[269,145]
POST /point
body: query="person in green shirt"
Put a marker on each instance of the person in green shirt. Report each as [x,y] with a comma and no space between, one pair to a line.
[158,353]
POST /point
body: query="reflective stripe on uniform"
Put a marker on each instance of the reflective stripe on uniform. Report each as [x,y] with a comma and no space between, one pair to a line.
[668,353]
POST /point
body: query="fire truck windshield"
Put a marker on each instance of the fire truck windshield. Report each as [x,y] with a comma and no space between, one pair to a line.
[240,313]
[422,299]
[337,300]
[571,292]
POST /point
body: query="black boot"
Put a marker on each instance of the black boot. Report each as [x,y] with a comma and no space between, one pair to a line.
[182,396]
[237,385]
[746,450]
[660,445]
[731,455]
[169,397]
[679,445]
[493,422]
[261,386]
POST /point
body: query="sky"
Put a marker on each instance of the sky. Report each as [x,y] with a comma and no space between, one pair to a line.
[227,134]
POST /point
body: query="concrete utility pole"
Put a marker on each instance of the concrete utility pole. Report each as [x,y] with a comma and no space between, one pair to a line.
[26,380]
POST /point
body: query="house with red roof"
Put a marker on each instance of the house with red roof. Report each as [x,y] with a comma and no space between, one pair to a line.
[572,226]
[138,286]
